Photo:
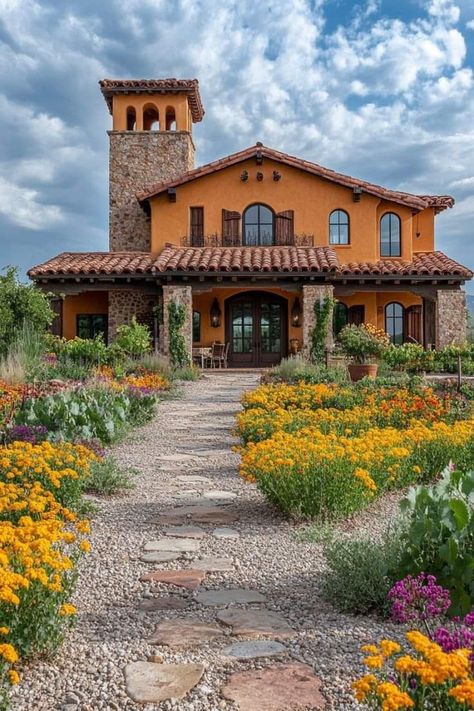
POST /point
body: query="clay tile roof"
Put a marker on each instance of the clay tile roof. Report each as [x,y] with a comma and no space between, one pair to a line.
[417,202]
[314,260]
[109,87]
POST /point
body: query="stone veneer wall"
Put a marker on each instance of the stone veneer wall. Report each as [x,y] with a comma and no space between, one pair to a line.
[125,304]
[137,159]
[182,295]
[451,317]
[312,293]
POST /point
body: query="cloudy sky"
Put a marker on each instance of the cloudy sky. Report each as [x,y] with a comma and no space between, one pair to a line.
[380,89]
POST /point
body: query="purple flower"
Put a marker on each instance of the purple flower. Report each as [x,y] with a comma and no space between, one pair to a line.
[418,598]
[27,433]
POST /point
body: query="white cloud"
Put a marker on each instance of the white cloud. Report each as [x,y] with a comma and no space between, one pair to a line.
[21,207]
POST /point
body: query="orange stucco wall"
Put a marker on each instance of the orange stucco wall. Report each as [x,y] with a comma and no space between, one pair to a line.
[311,198]
[179,102]
[92,302]
[376,301]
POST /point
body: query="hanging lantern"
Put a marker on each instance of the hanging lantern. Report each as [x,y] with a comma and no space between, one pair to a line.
[296,313]
[215,314]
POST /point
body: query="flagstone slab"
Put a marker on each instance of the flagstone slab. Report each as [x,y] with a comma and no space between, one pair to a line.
[172,545]
[182,633]
[219,495]
[255,623]
[193,479]
[159,557]
[196,514]
[185,532]
[165,602]
[214,564]
[189,579]
[280,688]
[148,682]
[255,649]
[232,596]
[225,532]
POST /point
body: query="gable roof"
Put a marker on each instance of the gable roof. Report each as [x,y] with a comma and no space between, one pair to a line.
[418,202]
[189,260]
[109,87]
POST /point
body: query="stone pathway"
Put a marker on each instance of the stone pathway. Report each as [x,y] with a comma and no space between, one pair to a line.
[197,595]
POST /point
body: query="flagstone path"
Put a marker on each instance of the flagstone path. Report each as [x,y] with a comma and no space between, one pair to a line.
[197,595]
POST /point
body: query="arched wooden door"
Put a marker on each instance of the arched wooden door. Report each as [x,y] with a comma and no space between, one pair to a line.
[257,329]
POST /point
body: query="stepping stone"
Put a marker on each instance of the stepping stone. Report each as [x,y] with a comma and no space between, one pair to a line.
[224,532]
[159,557]
[213,564]
[254,650]
[193,479]
[185,532]
[184,633]
[183,545]
[278,688]
[218,495]
[166,602]
[229,597]
[185,494]
[255,623]
[175,457]
[147,682]
[197,514]
[188,579]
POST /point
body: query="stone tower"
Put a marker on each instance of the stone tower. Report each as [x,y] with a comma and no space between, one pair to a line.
[150,142]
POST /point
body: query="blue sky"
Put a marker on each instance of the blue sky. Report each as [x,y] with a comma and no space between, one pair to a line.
[380,89]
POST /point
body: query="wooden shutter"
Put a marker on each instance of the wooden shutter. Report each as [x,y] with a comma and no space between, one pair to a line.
[197,227]
[230,228]
[429,323]
[56,327]
[284,228]
[356,314]
[413,323]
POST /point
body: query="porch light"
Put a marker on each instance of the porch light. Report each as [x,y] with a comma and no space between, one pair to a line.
[215,314]
[296,313]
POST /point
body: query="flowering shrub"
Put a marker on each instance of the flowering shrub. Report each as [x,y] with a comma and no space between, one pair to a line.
[143,380]
[363,343]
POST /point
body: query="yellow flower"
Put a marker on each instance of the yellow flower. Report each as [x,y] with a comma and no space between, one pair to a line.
[9,653]
[463,693]
[4,630]
[374,661]
[388,647]
[67,609]
[13,677]
[364,686]
[85,546]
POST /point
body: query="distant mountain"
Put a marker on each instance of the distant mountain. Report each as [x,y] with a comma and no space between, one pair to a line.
[470,304]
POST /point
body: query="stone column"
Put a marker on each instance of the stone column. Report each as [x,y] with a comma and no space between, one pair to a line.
[126,303]
[451,318]
[181,295]
[312,293]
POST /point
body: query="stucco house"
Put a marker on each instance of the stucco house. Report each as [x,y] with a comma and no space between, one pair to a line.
[247,243]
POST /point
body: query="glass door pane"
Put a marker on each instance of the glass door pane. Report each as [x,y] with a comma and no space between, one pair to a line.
[242,327]
[270,328]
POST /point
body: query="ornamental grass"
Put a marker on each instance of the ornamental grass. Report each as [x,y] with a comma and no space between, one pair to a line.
[41,540]
[326,450]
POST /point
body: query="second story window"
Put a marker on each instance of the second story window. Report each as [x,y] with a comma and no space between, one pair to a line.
[197,226]
[390,235]
[338,227]
[258,226]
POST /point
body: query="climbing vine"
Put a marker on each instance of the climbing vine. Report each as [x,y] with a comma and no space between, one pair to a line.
[322,314]
[177,316]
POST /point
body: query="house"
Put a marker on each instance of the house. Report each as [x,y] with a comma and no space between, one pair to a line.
[248,243]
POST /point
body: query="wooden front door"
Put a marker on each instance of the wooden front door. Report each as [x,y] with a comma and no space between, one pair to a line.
[257,329]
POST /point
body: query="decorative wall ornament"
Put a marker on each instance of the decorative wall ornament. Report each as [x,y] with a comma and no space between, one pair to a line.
[259,177]
[244,176]
[276,175]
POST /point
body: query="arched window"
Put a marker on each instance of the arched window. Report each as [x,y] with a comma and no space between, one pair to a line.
[340,318]
[170,119]
[390,235]
[258,226]
[338,227]
[395,322]
[151,118]
[131,119]
[196,326]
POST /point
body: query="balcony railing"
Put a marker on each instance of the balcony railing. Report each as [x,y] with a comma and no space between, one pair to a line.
[217,240]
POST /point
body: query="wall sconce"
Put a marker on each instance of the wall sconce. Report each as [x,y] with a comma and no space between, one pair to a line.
[259,177]
[296,313]
[215,314]
[244,176]
[356,193]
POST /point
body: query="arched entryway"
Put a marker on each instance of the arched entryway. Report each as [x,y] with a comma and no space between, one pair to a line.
[257,329]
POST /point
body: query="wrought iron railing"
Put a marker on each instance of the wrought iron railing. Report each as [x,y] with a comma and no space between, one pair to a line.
[217,240]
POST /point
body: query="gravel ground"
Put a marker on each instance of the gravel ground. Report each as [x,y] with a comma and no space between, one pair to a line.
[192,434]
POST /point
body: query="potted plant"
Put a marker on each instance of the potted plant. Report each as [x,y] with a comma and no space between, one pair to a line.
[364,344]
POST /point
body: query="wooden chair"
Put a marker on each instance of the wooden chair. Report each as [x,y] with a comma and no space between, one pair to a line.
[218,357]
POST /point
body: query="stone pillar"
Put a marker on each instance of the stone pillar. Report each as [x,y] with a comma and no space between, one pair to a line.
[182,295]
[125,304]
[137,159]
[451,318]
[312,293]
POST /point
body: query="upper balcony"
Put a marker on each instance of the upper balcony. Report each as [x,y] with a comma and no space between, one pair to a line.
[230,240]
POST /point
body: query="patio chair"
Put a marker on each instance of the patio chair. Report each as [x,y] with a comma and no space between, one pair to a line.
[218,357]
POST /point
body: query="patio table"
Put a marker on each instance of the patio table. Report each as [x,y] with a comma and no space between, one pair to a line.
[201,354]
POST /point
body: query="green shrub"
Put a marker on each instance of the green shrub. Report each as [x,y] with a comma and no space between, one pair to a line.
[410,357]
[297,369]
[439,538]
[178,354]
[364,343]
[360,573]
[108,477]
[66,369]
[134,338]
[88,413]
[149,362]
[188,372]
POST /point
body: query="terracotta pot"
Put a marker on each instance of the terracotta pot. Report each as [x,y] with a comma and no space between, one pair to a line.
[357,371]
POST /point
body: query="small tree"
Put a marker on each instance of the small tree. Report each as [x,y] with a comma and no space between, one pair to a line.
[134,338]
[20,305]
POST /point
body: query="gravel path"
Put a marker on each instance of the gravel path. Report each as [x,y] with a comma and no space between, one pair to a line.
[191,436]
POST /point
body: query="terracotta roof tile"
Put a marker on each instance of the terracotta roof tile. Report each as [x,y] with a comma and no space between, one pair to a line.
[418,202]
[109,87]
[314,260]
